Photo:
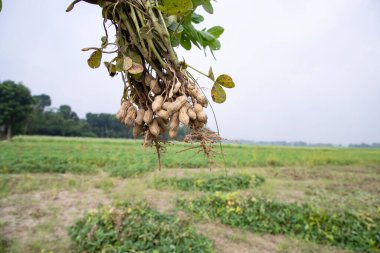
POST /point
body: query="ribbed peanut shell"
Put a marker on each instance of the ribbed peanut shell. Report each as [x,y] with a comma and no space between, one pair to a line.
[121,114]
[183,117]
[154,128]
[166,105]
[157,103]
[192,114]
[173,133]
[162,124]
[130,122]
[131,116]
[163,114]
[174,121]
[155,87]
[140,117]
[202,117]
[148,116]
[176,87]
[193,91]
[147,79]
[148,139]
[137,130]
[177,104]
[198,125]
[198,108]
[125,105]
[202,100]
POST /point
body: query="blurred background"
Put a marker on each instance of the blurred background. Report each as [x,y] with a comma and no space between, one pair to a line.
[305,71]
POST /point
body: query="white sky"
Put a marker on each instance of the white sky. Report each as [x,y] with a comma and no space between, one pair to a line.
[305,69]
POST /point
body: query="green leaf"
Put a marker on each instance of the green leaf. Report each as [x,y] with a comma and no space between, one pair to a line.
[185,41]
[211,74]
[1,5]
[214,45]
[104,41]
[95,59]
[119,64]
[135,56]
[216,31]
[226,81]
[218,94]
[206,36]
[197,3]
[208,7]
[175,40]
[175,27]
[196,18]
[111,68]
[175,7]
[192,34]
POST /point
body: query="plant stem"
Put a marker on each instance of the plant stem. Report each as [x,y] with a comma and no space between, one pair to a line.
[163,33]
[153,48]
[142,51]
[200,72]
[134,18]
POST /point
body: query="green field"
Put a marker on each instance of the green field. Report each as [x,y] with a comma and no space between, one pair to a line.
[47,183]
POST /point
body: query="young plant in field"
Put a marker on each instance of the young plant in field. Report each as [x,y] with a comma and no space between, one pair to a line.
[135,227]
[358,231]
[212,183]
[159,91]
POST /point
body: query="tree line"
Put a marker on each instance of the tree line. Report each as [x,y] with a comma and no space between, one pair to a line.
[27,114]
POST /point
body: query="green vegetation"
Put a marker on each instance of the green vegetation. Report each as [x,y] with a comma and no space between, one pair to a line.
[349,229]
[127,158]
[135,228]
[38,208]
[211,183]
[22,113]
[15,106]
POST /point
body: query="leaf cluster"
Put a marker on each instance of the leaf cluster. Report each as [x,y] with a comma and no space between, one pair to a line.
[129,227]
[16,103]
[348,229]
[212,183]
[181,21]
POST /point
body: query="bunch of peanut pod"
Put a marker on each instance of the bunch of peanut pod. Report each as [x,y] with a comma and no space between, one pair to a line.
[159,91]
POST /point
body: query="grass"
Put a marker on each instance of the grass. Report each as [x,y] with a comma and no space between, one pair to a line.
[211,183]
[348,229]
[47,183]
[127,158]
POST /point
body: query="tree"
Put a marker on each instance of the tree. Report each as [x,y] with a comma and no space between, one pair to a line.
[42,101]
[67,113]
[106,125]
[16,104]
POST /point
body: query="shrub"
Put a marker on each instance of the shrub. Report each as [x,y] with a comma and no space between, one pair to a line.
[211,183]
[347,229]
[129,227]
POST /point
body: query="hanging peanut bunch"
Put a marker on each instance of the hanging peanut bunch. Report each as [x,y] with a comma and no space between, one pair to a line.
[159,91]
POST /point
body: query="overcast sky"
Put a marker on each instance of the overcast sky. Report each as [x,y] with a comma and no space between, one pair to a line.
[304,69]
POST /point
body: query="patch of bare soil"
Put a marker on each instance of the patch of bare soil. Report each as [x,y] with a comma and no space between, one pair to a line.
[28,217]
[367,184]
[291,196]
[229,240]
[162,201]
[188,172]
[300,174]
